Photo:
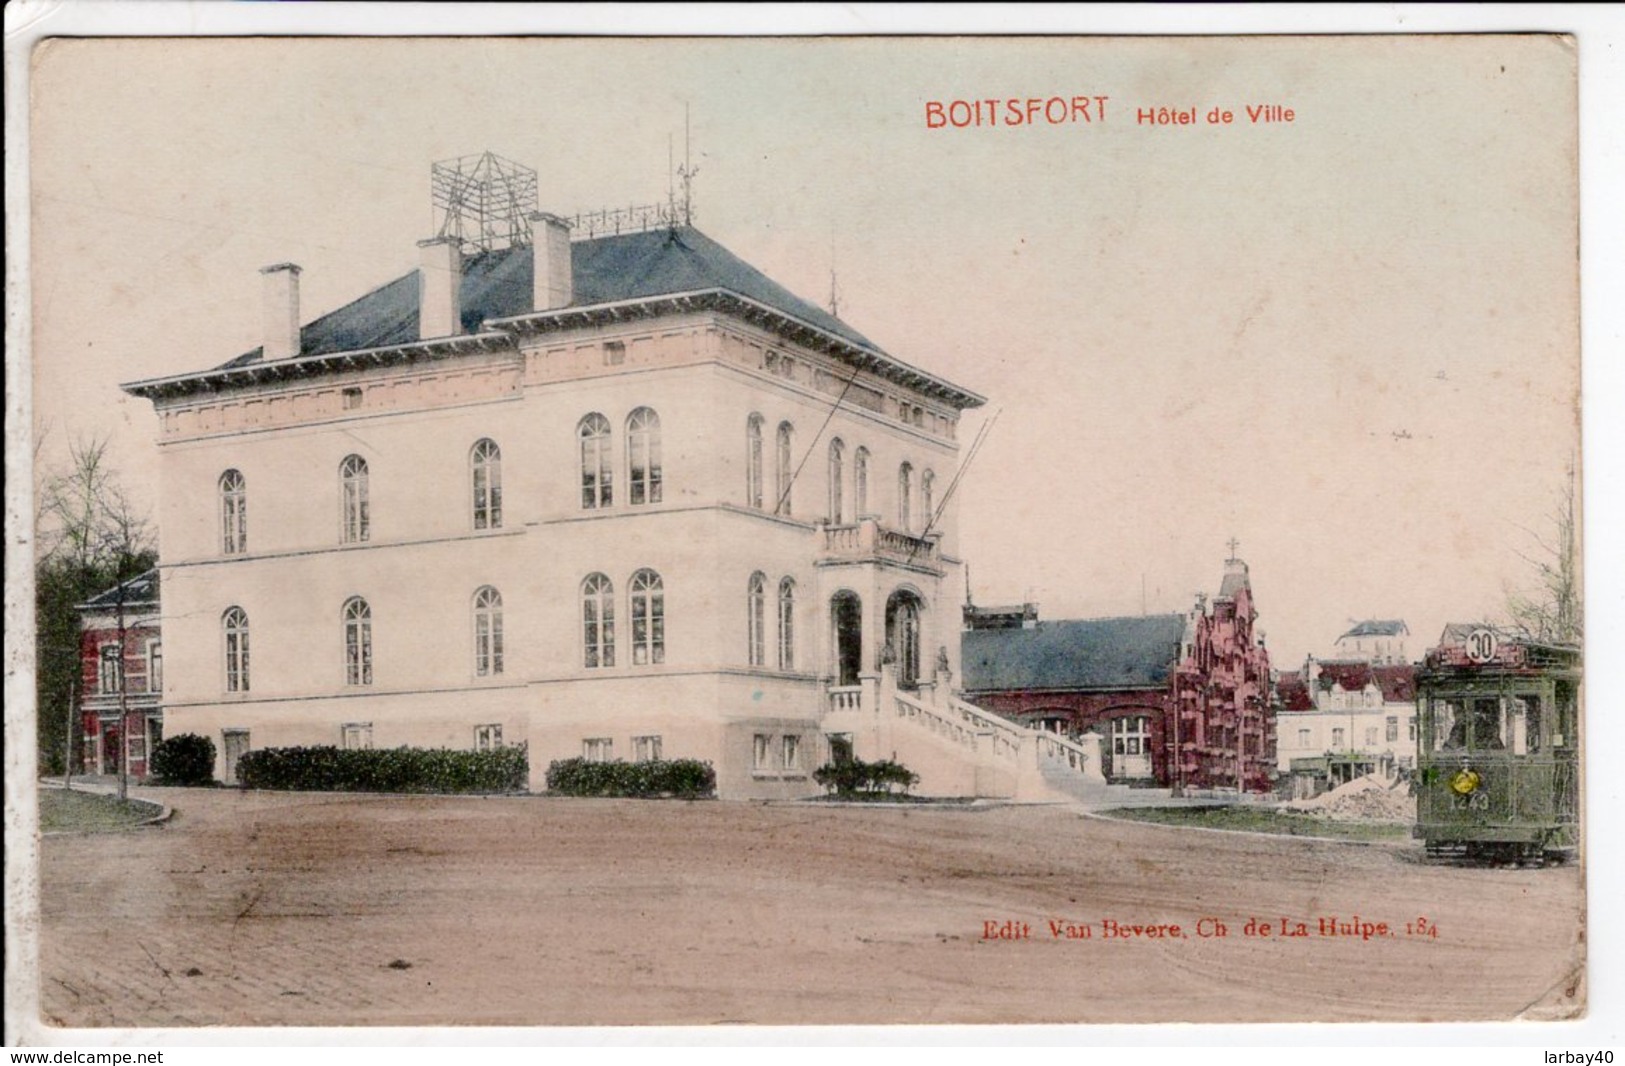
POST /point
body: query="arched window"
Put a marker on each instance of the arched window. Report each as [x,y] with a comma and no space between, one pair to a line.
[234,626]
[357,642]
[837,460]
[860,483]
[787,624]
[643,456]
[596,460]
[905,498]
[756,619]
[485,466]
[487,632]
[786,473]
[903,636]
[233,513]
[357,511]
[648,619]
[928,493]
[598,620]
[753,462]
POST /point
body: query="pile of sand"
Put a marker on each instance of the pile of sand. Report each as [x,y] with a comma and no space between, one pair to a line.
[1365,799]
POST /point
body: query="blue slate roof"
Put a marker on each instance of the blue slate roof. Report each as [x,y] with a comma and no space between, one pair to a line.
[497,284]
[1089,653]
[1374,627]
[141,589]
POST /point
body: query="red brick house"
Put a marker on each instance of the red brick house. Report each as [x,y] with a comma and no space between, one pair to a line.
[1108,676]
[107,741]
[1225,730]
[1121,678]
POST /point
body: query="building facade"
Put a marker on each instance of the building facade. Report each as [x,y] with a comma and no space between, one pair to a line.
[1377,641]
[1224,726]
[121,677]
[1349,716]
[612,497]
[1110,677]
[1121,680]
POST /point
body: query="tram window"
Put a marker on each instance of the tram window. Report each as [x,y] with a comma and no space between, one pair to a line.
[1563,731]
[1449,730]
[1526,725]
[1486,727]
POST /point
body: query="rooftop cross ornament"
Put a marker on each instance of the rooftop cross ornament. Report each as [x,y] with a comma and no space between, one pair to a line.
[1234,544]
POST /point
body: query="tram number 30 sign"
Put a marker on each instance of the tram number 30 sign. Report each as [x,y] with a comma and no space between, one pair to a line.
[1481,645]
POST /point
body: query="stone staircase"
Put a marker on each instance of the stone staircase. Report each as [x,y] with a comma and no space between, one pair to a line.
[958,749]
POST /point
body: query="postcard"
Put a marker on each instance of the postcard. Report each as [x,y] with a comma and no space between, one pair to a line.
[632,531]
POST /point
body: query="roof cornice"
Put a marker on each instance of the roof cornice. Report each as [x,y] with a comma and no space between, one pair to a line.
[754,312]
[499,333]
[306,366]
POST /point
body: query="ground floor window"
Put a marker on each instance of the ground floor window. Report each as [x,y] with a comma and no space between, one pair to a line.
[598,749]
[487,737]
[791,748]
[357,736]
[840,747]
[1129,735]
[761,747]
[646,749]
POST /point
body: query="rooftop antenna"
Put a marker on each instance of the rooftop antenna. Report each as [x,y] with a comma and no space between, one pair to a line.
[483,201]
[834,292]
[967,585]
[686,174]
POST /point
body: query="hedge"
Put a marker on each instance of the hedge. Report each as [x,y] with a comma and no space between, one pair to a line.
[681,778]
[851,777]
[331,769]
[183,759]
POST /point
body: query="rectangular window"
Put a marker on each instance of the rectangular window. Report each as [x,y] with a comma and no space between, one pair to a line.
[646,749]
[1411,722]
[155,666]
[791,748]
[761,745]
[1303,738]
[1337,738]
[487,737]
[598,749]
[108,669]
[357,736]
[155,731]
[352,399]
[1371,736]
[614,353]
[1393,729]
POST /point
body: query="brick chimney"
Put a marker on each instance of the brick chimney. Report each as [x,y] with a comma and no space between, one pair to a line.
[554,278]
[440,281]
[280,321]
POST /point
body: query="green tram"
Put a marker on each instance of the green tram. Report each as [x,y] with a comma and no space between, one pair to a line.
[1499,748]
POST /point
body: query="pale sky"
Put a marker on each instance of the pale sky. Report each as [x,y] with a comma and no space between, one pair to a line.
[1349,341]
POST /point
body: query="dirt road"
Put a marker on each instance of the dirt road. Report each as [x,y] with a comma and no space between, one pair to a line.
[256,909]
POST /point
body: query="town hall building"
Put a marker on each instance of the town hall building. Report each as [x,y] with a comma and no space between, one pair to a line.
[604,489]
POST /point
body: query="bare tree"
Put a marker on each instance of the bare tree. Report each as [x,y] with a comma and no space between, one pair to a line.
[90,534]
[1552,609]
